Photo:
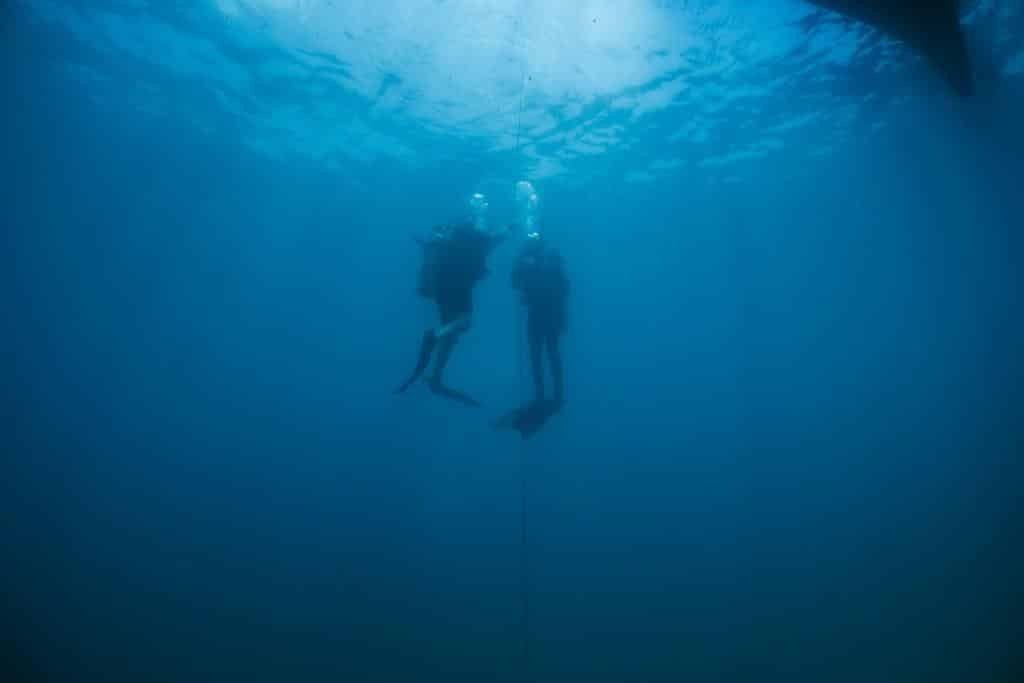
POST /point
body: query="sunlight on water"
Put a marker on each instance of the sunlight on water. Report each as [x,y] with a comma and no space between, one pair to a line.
[568,88]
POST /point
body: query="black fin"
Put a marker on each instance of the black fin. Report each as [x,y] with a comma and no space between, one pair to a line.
[527,419]
[448,392]
[426,349]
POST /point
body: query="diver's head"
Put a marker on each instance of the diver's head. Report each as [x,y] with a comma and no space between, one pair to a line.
[534,243]
[478,205]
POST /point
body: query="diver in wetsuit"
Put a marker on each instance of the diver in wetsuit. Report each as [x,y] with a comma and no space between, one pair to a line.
[540,278]
[454,260]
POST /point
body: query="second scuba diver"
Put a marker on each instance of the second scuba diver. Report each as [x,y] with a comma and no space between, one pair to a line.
[540,278]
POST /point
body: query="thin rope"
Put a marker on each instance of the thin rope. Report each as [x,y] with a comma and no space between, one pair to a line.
[519,136]
[524,568]
[524,576]
[519,119]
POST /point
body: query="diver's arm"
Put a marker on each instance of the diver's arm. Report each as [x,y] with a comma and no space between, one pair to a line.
[499,236]
[438,234]
[524,262]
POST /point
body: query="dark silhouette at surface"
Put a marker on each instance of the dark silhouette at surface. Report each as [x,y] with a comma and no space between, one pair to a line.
[540,277]
[931,27]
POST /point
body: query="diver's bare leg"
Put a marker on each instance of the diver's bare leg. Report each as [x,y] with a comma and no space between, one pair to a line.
[447,336]
[426,349]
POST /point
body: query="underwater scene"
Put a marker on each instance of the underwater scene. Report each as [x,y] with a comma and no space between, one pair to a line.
[653,341]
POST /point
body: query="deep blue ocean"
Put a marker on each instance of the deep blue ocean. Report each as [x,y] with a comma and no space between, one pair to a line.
[791,443]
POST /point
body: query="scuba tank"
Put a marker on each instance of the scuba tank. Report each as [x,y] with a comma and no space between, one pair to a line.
[456,252]
[432,248]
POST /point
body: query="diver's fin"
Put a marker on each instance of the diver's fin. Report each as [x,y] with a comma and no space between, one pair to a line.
[426,349]
[509,420]
[527,419]
[534,418]
[453,394]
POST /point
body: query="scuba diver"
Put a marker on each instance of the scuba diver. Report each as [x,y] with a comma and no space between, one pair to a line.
[454,260]
[541,280]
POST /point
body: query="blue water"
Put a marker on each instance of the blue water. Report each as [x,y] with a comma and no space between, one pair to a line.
[790,448]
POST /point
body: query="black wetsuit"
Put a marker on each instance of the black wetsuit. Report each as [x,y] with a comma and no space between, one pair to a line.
[541,279]
[452,266]
[454,260]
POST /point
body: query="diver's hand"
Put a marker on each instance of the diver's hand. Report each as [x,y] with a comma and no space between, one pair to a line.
[509,229]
